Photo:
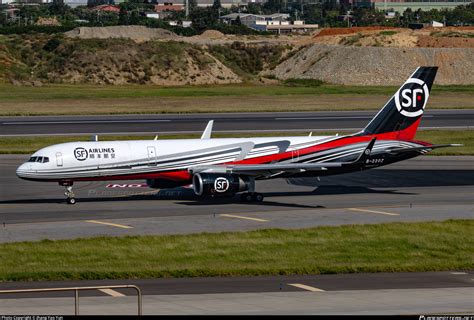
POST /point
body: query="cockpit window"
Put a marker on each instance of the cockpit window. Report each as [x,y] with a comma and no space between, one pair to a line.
[39,159]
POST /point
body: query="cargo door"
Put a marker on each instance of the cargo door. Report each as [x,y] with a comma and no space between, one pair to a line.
[151,156]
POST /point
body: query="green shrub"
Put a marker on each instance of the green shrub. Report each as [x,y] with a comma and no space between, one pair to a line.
[387,33]
[303,82]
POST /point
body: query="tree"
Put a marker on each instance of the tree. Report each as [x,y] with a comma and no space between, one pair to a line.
[272,6]
[203,18]
[254,8]
[216,5]
[192,5]
[95,3]
[58,8]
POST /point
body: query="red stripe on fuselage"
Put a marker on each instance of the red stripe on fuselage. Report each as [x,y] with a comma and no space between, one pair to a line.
[183,175]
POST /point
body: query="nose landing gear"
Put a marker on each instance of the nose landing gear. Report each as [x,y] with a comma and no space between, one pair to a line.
[69,193]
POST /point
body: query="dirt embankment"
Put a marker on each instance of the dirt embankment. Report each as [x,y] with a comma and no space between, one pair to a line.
[376,65]
[450,37]
[136,33]
[139,55]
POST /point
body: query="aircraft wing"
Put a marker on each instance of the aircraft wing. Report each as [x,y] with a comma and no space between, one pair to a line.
[265,169]
[425,148]
[269,169]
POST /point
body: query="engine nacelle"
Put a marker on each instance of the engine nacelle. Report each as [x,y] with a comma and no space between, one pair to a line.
[215,184]
[163,183]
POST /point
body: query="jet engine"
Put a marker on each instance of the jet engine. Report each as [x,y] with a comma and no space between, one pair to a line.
[215,184]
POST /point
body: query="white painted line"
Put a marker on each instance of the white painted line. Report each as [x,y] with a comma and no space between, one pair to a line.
[326,118]
[458,273]
[110,224]
[373,211]
[241,217]
[112,293]
[305,287]
[80,122]
[215,131]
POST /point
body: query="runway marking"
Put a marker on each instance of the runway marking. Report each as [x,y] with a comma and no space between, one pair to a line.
[217,131]
[110,224]
[326,118]
[458,273]
[112,293]
[80,122]
[373,211]
[241,217]
[305,287]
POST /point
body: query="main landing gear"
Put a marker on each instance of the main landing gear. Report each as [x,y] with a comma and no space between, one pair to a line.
[251,196]
[69,193]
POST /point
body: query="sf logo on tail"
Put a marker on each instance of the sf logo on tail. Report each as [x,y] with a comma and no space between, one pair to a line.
[412,97]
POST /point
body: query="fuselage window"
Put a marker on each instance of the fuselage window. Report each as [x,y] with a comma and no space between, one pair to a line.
[39,159]
[45,159]
[32,159]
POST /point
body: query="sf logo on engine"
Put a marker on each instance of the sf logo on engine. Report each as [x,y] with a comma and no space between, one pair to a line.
[80,154]
[221,184]
[412,97]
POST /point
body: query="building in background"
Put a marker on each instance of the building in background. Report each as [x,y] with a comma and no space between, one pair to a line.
[401,5]
[224,3]
[277,22]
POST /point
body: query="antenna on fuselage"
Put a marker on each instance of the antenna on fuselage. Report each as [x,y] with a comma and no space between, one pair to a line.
[207,132]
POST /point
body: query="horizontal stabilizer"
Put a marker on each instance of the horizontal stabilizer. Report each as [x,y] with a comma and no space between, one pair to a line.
[434,146]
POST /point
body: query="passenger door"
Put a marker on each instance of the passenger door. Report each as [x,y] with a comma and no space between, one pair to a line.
[59,159]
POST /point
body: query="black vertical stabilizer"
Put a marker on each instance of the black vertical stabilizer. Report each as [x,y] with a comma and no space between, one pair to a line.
[406,106]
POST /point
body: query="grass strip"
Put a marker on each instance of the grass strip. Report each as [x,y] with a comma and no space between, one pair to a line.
[28,145]
[299,95]
[391,247]
[298,87]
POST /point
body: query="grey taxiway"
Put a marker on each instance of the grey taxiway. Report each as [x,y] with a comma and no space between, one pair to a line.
[224,122]
[422,189]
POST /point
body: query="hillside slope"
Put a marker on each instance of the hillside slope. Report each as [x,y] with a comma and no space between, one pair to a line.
[129,55]
[376,65]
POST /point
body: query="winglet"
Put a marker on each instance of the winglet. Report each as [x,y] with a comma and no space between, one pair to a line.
[207,132]
[367,151]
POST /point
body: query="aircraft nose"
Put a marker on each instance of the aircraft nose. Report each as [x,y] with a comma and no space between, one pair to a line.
[23,170]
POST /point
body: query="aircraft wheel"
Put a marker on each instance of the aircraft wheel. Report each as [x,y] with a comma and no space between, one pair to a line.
[246,197]
[258,197]
[71,200]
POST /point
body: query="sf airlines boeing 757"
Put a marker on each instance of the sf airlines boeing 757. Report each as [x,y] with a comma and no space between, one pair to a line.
[225,167]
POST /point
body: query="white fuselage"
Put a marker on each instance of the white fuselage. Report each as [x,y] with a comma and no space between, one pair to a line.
[102,159]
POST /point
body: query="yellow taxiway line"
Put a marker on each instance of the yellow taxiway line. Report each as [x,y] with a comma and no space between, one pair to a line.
[373,211]
[241,217]
[305,287]
[112,293]
[110,224]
